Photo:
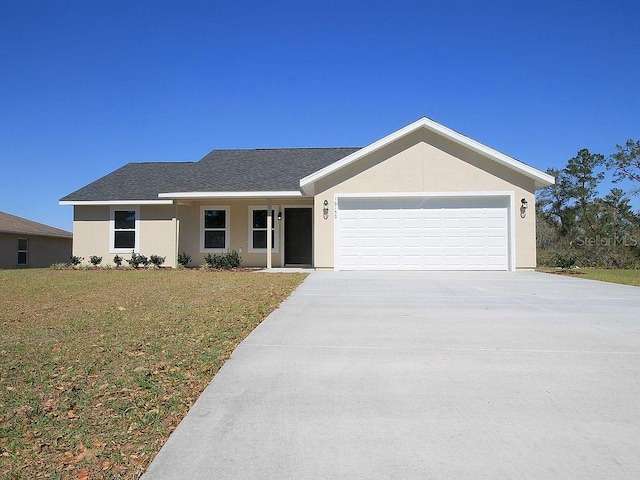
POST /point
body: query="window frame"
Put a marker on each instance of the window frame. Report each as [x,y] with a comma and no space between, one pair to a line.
[227,230]
[275,248]
[25,251]
[113,230]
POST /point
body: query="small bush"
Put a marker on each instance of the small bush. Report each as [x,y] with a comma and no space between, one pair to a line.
[138,259]
[157,260]
[59,266]
[564,260]
[223,261]
[95,261]
[117,260]
[183,259]
[75,261]
[213,261]
[234,260]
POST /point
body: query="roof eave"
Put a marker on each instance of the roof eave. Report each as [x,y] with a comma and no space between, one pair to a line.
[38,234]
[115,202]
[237,194]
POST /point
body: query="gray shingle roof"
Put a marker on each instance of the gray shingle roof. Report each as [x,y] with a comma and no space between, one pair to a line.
[13,224]
[219,171]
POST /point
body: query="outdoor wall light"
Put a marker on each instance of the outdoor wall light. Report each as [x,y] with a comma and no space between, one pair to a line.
[279,215]
[325,210]
[523,207]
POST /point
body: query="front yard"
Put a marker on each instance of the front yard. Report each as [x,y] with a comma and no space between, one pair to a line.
[98,367]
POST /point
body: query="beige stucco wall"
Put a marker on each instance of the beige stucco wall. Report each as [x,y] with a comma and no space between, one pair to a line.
[91,232]
[42,251]
[189,225]
[424,162]
[158,230]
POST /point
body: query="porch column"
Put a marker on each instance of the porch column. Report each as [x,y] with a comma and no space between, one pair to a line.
[176,226]
[269,225]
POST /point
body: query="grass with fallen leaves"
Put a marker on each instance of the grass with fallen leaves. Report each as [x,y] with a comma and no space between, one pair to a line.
[98,367]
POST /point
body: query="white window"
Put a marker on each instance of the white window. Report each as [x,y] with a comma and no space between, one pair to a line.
[258,228]
[124,231]
[214,229]
[23,251]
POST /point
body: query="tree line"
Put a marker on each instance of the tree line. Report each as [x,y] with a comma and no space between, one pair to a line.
[578,226]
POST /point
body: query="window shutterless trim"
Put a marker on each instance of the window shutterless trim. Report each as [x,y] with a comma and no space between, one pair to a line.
[226,229]
[275,225]
[23,250]
[113,230]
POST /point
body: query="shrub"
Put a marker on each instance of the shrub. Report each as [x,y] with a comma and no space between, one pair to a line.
[157,260]
[95,261]
[223,261]
[117,260]
[137,259]
[75,261]
[564,260]
[213,261]
[183,259]
[233,259]
[59,266]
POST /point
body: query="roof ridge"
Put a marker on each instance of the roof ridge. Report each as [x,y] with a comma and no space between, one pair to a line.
[279,148]
[155,162]
[307,148]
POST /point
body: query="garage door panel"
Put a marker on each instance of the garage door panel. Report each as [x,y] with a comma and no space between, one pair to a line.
[495,241]
[423,233]
[389,242]
[410,243]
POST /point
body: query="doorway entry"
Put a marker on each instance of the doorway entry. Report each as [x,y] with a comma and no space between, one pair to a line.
[298,236]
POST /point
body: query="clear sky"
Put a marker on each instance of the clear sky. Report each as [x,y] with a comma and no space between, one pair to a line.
[87,86]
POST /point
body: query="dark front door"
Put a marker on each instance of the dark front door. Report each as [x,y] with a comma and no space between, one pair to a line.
[297,236]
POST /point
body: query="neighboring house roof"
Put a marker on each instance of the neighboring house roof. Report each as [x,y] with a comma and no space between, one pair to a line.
[541,179]
[13,224]
[260,170]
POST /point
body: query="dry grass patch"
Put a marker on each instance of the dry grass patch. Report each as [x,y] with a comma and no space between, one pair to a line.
[98,367]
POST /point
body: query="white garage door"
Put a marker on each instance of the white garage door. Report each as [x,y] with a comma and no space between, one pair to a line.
[422,233]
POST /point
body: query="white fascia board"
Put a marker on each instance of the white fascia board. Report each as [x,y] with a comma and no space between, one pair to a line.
[115,202]
[196,195]
[482,194]
[323,172]
[542,179]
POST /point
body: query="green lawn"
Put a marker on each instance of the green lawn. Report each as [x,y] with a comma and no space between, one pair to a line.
[626,277]
[98,367]
[612,275]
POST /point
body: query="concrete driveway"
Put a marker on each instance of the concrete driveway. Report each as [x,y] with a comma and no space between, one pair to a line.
[443,375]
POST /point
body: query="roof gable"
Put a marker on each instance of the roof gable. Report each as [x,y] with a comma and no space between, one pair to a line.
[541,179]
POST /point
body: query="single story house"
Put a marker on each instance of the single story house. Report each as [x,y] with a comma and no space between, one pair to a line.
[422,198]
[24,243]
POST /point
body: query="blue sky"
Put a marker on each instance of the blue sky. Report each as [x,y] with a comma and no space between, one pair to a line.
[88,86]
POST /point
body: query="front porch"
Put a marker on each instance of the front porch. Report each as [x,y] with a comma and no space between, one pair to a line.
[207,226]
